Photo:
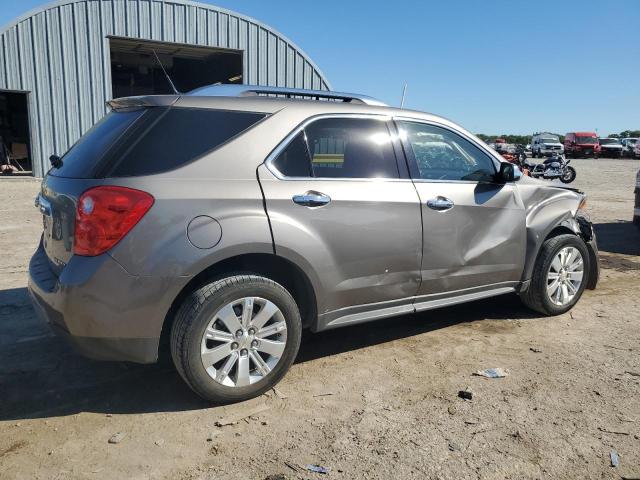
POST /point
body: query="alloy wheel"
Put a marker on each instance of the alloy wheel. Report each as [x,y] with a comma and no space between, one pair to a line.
[243,341]
[565,276]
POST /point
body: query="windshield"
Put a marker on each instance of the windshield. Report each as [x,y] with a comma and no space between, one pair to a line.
[549,140]
[609,141]
[586,140]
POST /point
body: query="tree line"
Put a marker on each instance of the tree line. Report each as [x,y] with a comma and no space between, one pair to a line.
[526,139]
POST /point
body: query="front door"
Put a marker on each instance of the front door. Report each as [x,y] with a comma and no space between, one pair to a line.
[473,227]
[342,206]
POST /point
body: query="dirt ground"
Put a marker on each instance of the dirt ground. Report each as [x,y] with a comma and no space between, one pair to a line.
[374,401]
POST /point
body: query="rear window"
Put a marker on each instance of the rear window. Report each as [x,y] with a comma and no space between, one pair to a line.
[81,159]
[177,137]
[153,140]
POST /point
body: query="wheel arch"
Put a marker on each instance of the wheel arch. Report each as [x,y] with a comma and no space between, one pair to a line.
[277,268]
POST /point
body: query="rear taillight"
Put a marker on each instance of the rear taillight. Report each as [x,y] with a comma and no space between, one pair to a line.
[105,215]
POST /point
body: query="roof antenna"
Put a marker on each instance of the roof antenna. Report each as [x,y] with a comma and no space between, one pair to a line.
[404,92]
[173,87]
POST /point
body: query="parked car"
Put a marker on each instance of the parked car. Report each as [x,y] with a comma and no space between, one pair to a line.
[636,150]
[636,208]
[627,146]
[610,147]
[581,144]
[221,223]
[545,145]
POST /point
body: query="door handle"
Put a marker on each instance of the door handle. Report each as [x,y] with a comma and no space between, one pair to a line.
[312,199]
[442,204]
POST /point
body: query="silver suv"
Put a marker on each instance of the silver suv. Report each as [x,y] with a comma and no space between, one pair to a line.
[221,223]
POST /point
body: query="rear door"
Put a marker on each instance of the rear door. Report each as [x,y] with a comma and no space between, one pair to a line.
[342,206]
[473,227]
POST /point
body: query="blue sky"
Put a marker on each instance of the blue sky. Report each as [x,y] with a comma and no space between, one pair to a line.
[494,66]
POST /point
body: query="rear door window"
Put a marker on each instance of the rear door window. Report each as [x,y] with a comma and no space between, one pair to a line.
[340,148]
[178,137]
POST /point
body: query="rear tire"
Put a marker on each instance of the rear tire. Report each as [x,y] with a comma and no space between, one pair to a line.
[537,296]
[227,298]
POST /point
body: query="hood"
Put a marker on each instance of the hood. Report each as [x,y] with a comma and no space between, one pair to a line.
[612,146]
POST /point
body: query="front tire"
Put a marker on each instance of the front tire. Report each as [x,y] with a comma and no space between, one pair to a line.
[569,176]
[235,338]
[559,275]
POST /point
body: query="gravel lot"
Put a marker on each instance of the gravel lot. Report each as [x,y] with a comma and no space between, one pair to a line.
[375,401]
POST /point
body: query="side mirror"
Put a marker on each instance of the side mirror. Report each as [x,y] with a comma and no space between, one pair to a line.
[507,172]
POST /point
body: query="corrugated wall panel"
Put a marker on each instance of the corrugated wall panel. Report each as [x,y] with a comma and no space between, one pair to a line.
[94,59]
[212,28]
[191,25]
[252,54]
[272,59]
[202,37]
[60,56]
[282,63]
[43,133]
[133,21]
[179,27]
[223,30]
[13,59]
[157,20]
[69,74]
[3,64]
[85,108]
[56,72]
[144,19]
[119,17]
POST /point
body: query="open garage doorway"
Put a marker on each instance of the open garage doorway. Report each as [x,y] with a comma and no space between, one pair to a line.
[15,151]
[135,70]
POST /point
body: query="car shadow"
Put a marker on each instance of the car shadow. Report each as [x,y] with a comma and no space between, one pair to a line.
[41,376]
[618,237]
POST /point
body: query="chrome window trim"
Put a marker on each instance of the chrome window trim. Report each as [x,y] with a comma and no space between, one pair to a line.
[492,155]
[289,138]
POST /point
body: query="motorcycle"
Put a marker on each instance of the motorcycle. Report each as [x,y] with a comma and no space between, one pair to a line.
[554,167]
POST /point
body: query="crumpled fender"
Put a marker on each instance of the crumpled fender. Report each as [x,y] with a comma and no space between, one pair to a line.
[547,208]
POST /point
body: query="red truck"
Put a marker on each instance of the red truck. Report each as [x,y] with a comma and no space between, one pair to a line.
[581,144]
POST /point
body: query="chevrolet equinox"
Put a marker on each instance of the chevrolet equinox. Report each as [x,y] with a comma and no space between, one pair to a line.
[221,223]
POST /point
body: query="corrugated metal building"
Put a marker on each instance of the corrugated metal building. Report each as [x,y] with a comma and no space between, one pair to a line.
[59,64]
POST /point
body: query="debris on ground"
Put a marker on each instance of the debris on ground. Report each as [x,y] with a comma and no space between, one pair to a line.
[454,447]
[211,436]
[276,476]
[466,394]
[159,442]
[279,394]
[535,349]
[317,469]
[633,374]
[615,432]
[233,419]
[326,394]
[615,461]
[451,410]
[117,438]
[492,373]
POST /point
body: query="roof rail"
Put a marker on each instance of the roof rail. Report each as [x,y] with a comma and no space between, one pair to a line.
[233,90]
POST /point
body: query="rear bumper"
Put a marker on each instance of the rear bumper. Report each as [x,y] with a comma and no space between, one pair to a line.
[104,312]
